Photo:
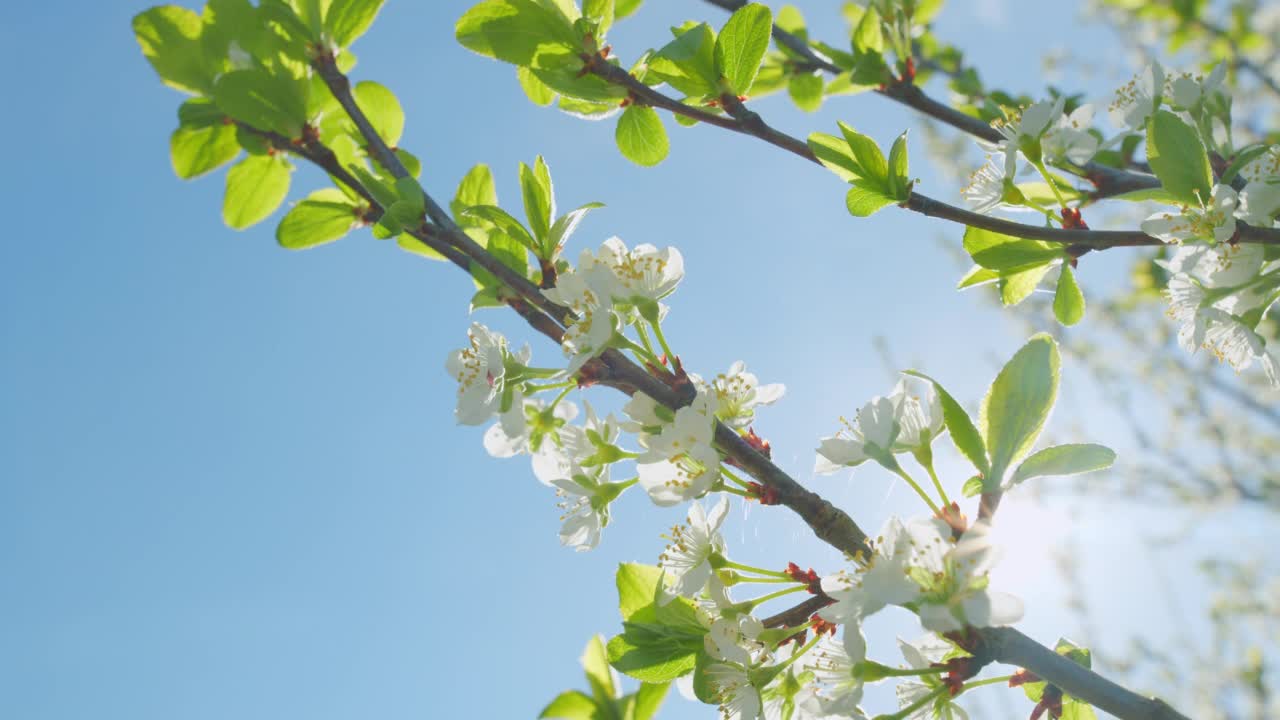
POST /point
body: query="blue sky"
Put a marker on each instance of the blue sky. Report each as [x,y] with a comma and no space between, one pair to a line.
[230,480]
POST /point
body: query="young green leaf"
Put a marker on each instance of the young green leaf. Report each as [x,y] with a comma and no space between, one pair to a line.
[255,188]
[323,217]
[623,8]
[641,136]
[1063,460]
[539,198]
[637,587]
[865,199]
[688,63]
[1005,253]
[741,45]
[196,151]
[964,434]
[835,154]
[521,32]
[503,220]
[977,275]
[572,705]
[972,486]
[602,13]
[383,109]
[534,89]
[1068,301]
[867,36]
[347,20]
[1017,405]
[871,163]
[476,188]
[262,101]
[595,663]
[169,36]
[1017,285]
[563,228]
[648,700]
[805,90]
[1178,158]
[897,175]
[411,244]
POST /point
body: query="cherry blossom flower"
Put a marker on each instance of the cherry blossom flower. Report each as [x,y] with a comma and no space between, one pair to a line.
[687,560]
[1069,137]
[481,371]
[1138,99]
[594,323]
[953,578]
[738,393]
[522,428]
[871,436]
[1215,221]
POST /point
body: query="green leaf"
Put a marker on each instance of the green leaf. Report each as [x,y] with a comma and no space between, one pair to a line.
[623,8]
[870,161]
[649,699]
[1017,405]
[1242,158]
[805,90]
[1068,301]
[1005,253]
[595,663]
[1017,285]
[169,36]
[262,100]
[571,705]
[476,188]
[1178,158]
[964,434]
[641,136]
[255,188]
[504,222]
[835,154]
[865,198]
[977,275]
[637,587]
[520,32]
[383,110]
[1064,460]
[563,228]
[688,63]
[347,20]
[601,12]
[195,151]
[972,486]
[657,662]
[534,89]
[741,45]
[323,217]
[539,197]
[897,175]
[867,36]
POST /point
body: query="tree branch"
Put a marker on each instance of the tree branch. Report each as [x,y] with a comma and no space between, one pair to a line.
[747,122]
[1108,180]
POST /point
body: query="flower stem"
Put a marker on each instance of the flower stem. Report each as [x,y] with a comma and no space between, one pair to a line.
[937,484]
[726,472]
[662,340]
[987,681]
[759,571]
[919,491]
[774,595]
[907,711]
[644,353]
[1052,185]
[552,386]
[644,338]
[561,396]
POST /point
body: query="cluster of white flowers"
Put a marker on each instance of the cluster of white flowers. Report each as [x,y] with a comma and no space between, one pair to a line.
[612,289]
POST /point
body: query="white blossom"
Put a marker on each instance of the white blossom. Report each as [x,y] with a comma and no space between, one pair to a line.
[1215,221]
[1260,202]
[480,370]
[738,393]
[834,665]
[638,277]
[1138,99]
[872,434]
[522,428]
[679,462]
[687,560]
[1188,91]
[920,421]
[922,654]
[1070,139]
[594,319]
[987,186]
[957,592]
